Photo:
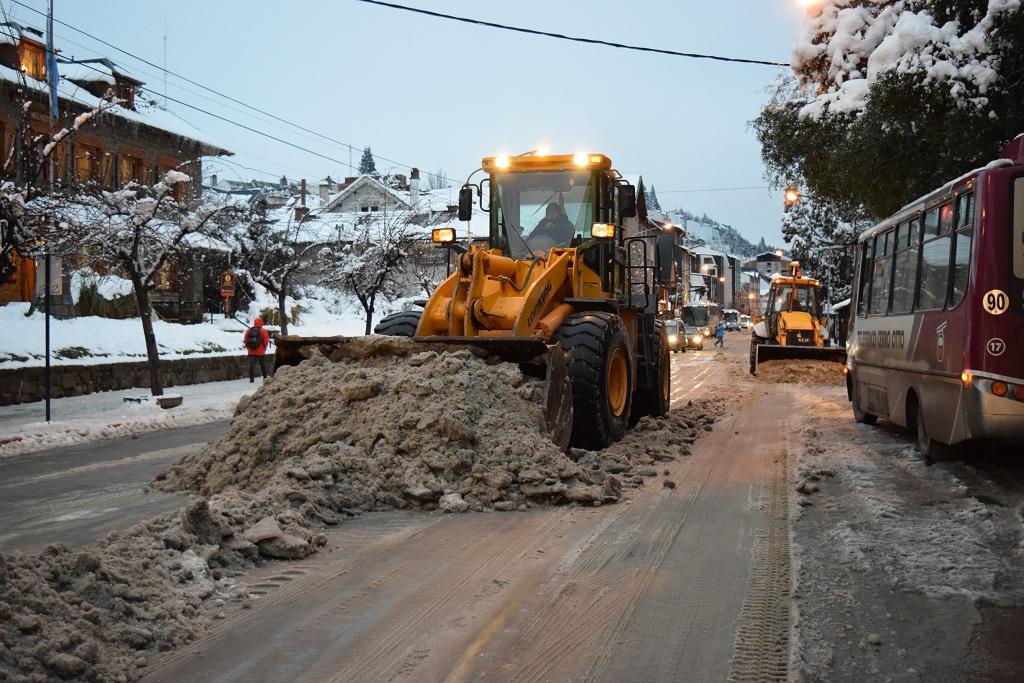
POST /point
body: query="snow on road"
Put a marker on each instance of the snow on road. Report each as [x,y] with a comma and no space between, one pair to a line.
[82,419]
[896,560]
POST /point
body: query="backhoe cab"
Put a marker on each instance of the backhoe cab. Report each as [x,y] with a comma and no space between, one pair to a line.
[793,326]
[560,288]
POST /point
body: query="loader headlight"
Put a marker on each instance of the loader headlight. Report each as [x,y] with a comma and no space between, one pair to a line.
[602,231]
[442,235]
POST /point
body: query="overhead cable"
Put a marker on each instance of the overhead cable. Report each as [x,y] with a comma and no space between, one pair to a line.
[575,39]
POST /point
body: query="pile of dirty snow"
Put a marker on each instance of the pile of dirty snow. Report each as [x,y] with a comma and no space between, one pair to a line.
[391,425]
[388,424]
[100,613]
[801,372]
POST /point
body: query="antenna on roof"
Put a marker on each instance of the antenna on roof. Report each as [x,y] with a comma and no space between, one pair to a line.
[165,57]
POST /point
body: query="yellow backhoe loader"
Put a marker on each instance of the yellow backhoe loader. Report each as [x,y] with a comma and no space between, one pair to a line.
[558,287]
[793,325]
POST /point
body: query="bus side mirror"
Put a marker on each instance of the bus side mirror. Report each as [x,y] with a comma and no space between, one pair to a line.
[466,203]
[627,201]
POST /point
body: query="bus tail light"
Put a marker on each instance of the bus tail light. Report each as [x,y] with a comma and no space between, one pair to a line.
[999,388]
[1018,392]
[965,377]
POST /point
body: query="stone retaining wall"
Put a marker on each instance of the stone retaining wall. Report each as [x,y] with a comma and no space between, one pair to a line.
[24,385]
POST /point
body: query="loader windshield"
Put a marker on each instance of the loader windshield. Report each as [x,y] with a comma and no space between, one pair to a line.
[787,298]
[533,212]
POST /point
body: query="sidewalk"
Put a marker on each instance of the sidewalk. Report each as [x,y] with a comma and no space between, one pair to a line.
[105,415]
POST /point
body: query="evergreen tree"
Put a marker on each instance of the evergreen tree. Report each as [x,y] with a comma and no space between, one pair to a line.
[889,100]
[822,242]
[652,200]
[762,247]
[366,164]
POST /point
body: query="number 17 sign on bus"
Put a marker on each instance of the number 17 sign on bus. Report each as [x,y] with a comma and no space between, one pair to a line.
[938,340]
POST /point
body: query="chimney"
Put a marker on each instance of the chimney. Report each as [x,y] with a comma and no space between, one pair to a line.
[325,192]
[302,191]
[414,187]
[213,181]
[283,182]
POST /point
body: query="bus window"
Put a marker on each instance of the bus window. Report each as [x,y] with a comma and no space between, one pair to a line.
[1018,228]
[866,262]
[882,275]
[934,278]
[962,248]
[904,278]
[931,223]
[946,216]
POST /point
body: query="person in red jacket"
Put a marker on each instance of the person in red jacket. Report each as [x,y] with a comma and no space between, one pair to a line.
[256,341]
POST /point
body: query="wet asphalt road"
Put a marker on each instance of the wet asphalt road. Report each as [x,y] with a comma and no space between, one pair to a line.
[75,495]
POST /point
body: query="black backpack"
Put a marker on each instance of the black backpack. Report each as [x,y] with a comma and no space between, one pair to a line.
[253,338]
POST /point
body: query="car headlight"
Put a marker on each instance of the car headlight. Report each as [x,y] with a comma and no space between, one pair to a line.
[696,339]
[672,339]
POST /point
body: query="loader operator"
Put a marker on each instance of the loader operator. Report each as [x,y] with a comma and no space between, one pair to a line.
[554,230]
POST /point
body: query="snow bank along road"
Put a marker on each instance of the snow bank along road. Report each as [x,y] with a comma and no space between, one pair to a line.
[673,584]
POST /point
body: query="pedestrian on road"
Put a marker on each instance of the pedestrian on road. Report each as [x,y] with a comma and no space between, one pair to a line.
[256,341]
[720,334]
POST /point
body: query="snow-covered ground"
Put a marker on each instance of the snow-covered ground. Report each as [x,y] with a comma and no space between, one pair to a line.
[91,340]
[105,415]
[896,561]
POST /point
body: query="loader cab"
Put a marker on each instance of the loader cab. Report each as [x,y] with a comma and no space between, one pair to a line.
[540,203]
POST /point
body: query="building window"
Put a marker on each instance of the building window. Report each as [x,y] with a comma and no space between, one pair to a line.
[368,209]
[91,164]
[32,60]
[132,169]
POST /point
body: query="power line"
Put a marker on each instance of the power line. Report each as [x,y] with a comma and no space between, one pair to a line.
[562,36]
[347,145]
[718,189]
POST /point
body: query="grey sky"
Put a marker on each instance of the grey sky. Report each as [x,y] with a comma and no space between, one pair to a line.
[433,93]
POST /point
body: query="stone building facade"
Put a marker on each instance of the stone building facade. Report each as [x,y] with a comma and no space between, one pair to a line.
[133,141]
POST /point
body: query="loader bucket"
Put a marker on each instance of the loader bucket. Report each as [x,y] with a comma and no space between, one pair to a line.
[783,352]
[534,356]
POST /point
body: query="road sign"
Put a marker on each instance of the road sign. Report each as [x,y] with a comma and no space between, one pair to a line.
[227,284]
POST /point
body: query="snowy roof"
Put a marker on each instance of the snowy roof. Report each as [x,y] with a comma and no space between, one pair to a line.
[148,115]
[100,69]
[12,31]
[708,251]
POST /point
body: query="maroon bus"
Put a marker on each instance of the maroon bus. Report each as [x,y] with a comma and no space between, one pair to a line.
[938,312]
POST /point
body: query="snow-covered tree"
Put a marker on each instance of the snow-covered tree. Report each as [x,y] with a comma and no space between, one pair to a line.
[137,230]
[437,180]
[889,99]
[273,254]
[366,259]
[366,165]
[822,242]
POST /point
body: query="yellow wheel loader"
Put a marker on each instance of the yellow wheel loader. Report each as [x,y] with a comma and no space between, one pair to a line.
[793,325]
[558,287]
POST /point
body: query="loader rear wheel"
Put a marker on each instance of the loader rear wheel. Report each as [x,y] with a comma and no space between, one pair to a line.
[599,368]
[401,324]
[654,400]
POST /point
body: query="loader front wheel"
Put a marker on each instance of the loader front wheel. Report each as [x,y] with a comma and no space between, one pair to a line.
[655,399]
[599,368]
[400,324]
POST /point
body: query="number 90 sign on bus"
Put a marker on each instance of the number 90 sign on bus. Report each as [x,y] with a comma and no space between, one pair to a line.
[946,275]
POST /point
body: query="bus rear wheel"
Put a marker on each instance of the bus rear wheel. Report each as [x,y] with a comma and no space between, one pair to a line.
[931,450]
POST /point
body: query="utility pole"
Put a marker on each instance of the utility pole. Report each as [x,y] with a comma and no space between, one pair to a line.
[51,78]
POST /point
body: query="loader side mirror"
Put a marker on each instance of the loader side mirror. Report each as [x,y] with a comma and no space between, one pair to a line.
[627,201]
[466,203]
